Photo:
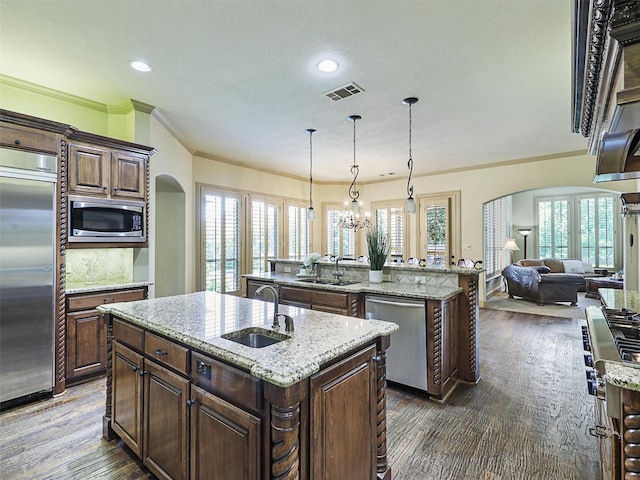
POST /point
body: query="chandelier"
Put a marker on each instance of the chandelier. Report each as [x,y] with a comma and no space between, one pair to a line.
[350,218]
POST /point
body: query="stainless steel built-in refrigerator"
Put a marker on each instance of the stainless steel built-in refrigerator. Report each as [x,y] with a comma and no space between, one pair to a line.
[27,273]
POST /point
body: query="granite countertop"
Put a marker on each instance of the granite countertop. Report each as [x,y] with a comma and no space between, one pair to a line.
[623,375]
[397,266]
[400,289]
[72,288]
[199,320]
[614,298]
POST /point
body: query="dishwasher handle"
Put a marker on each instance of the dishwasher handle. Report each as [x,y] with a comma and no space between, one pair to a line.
[394,303]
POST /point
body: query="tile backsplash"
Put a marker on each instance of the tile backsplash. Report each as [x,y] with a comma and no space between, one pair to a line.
[99,265]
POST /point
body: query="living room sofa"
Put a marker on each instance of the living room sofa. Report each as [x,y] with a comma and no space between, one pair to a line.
[564,266]
[537,285]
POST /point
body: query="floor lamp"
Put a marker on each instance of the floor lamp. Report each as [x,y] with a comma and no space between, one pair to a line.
[511,246]
[525,232]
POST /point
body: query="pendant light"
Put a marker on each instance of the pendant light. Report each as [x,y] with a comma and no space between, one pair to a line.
[311,214]
[355,169]
[350,217]
[411,203]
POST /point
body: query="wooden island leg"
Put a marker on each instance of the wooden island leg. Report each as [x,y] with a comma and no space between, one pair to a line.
[383,468]
[107,433]
[286,445]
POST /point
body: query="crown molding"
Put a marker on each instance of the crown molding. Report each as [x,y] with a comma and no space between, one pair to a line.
[52,93]
[159,116]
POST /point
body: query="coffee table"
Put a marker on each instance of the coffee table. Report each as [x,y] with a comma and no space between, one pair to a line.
[594,283]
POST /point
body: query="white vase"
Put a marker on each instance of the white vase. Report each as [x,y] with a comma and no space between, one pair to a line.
[375,276]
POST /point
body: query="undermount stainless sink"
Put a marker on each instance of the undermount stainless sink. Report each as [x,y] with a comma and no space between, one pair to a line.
[324,281]
[256,337]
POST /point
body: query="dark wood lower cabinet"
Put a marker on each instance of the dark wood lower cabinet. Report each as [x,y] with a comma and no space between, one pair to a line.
[86,343]
[86,335]
[195,417]
[225,440]
[166,439]
[343,419]
[340,303]
[126,385]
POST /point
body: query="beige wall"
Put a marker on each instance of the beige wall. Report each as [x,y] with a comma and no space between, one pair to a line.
[172,158]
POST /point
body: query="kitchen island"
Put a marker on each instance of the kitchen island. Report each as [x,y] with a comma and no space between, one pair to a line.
[436,347]
[192,402]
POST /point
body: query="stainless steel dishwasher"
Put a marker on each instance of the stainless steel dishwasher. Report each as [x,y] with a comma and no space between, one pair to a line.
[407,355]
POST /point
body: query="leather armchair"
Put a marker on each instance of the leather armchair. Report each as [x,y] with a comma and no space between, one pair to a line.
[530,284]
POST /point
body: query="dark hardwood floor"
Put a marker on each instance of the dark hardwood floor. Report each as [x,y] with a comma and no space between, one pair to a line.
[528,418]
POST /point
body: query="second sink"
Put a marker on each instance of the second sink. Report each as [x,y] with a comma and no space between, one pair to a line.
[255,337]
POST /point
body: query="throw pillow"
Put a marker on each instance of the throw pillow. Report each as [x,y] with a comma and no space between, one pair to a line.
[588,268]
[526,262]
[573,266]
[556,266]
[542,269]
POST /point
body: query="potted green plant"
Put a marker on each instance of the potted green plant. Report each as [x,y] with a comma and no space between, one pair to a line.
[378,246]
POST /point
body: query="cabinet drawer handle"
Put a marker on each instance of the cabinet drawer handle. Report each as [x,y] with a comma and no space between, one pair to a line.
[159,351]
[134,368]
[107,300]
[17,141]
[104,187]
[599,431]
[190,402]
[117,188]
[377,359]
[142,372]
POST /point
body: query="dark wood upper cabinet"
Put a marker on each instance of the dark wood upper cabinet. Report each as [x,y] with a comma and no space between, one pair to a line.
[106,173]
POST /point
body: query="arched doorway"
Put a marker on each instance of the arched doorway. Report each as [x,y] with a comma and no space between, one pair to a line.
[170,237]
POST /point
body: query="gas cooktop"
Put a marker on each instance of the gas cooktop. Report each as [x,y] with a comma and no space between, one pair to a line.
[625,329]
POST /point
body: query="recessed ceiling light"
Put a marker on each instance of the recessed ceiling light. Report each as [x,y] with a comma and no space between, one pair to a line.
[328,66]
[140,66]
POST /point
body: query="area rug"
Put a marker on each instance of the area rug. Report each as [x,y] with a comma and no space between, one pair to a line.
[501,301]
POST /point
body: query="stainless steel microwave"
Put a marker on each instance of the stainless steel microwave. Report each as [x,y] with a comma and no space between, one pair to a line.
[106,220]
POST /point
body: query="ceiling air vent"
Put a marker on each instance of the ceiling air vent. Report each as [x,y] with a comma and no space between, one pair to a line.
[344,91]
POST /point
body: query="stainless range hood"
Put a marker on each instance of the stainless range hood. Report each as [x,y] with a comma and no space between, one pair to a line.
[630,202]
[617,158]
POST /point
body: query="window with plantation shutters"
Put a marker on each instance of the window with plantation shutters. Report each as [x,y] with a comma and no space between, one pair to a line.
[298,238]
[579,226]
[340,241]
[221,241]
[390,219]
[495,234]
[597,230]
[264,233]
[553,228]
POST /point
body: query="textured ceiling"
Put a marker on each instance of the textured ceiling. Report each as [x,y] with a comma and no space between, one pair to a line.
[237,79]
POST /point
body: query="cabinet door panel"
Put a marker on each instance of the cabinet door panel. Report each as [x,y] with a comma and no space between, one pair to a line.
[224,440]
[88,170]
[343,419]
[126,400]
[86,343]
[128,176]
[296,296]
[165,446]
